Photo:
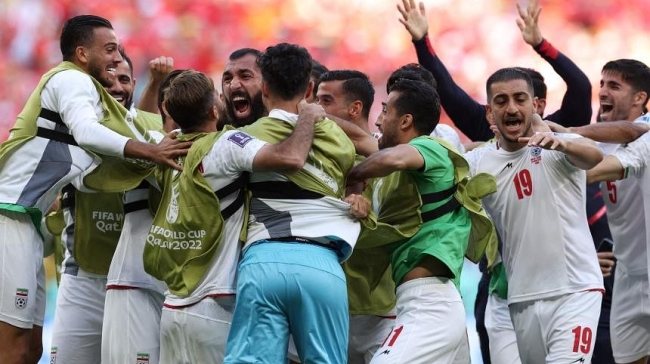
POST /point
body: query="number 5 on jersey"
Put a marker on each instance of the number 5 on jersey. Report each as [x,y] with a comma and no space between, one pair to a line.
[523,183]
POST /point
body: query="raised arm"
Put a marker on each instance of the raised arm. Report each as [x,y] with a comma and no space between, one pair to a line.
[581,152]
[606,132]
[159,68]
[387,161]
[467,114]
[576,103]
[290,155]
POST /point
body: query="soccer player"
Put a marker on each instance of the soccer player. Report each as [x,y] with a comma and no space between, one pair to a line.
[200,273]
[134,299]
[299,228]
[430,323]
[554,283]
[241,85]
[349,94]
[46,150]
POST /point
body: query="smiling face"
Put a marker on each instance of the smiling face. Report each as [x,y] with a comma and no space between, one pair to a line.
[242,90]
[102,57]
[617,98]
[510,109]
[122,90]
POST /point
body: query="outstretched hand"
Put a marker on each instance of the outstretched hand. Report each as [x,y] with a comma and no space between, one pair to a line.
[528,23]
[546,141]
[169,149]
[414,18]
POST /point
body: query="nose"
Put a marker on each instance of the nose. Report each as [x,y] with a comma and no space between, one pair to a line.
[235,83]
[380,119]
[512,107]
[602,93]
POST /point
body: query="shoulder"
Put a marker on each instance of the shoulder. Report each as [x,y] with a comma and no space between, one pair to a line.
[71,78]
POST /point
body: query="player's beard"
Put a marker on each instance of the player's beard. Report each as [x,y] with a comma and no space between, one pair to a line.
[257,110]
[99,73]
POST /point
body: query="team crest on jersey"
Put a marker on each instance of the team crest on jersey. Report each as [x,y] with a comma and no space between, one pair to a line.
[143,358]
[536,154]
[172,208]
[240,138]
[53,355]
[22,295]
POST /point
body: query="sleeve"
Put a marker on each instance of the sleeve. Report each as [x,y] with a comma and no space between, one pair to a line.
[576,103]
[467,114]
[234,152]
[432,153]
[76,98]
[634,156]
[472,157]
[448,133]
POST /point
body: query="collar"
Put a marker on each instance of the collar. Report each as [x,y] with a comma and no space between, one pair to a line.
[284,115]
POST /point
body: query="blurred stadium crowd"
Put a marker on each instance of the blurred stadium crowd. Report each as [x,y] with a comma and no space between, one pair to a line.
[472,37]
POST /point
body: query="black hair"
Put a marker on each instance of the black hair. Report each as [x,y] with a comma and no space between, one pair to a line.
[163,87]
[420,100]
[126,59]
[78,31]
[285,70]
[356,86]
[539,87]
[412,71]
[505,75]
[317,69]
[633,72]
[190,99]
[239,53]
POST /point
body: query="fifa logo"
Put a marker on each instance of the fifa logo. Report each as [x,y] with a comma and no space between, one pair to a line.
[172,208]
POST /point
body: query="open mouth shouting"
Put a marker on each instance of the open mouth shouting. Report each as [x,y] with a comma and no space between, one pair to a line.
[241,105]
[513,125]
[605,111]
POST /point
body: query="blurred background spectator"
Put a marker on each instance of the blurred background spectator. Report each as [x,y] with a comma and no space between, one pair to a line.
[472,37]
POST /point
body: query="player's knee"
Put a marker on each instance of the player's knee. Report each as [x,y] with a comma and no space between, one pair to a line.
[16,354]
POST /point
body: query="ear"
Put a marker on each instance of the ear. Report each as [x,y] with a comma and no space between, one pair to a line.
[405,122]
[640,98]
[355,108]
[82,54]
[134,83]
[310,91]
[541,105]
[488,114]
[265,90]
[164,109]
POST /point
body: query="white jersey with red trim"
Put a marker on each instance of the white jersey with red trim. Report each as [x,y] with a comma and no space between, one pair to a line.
[539,211]
[232,154]
[625,214]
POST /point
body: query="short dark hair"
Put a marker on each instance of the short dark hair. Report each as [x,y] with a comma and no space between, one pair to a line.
[356,86]
[412,71]
[419,99]
[285,70]
[241,52]
[317,69]
[126,59]
[633,72]
[508,74]
[190,99]
[539,87]
[78,31]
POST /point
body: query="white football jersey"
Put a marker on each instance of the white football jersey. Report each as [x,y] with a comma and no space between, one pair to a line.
[625,212]
[231,155]
[539,211]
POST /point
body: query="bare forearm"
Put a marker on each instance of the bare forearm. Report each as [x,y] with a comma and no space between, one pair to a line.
[378,164]
[363,142]
[610,169]
[149,99]
[611,132]
[138,150]
[292,152]
[583,153]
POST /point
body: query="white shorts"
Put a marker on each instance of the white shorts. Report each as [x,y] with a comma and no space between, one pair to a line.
[503,339]
[22,291]
[131,329]
[367,333]
[197,333]
[430,325]
[77,328]
[557,330]
[630,317]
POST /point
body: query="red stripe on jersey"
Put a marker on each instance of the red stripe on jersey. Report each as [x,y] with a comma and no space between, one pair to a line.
[216,295]
[117,286]
[597,216]
[426,39]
